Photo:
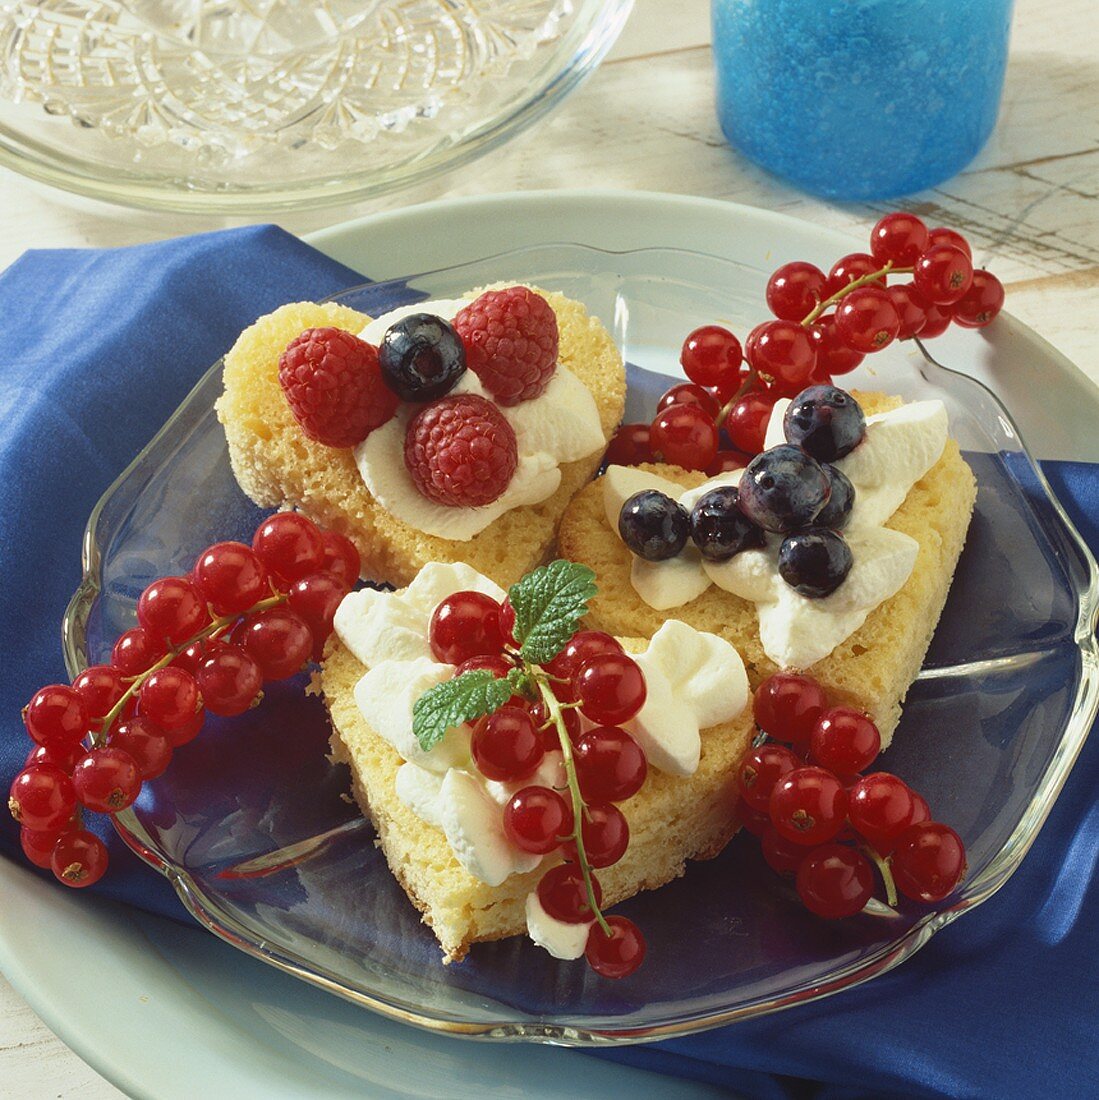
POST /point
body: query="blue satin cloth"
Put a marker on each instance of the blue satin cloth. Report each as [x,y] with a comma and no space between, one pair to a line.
[99,347]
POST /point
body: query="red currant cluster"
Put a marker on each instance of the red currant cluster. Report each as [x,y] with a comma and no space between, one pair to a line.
[822,821]
[592,677]
[204,643]
[825,325]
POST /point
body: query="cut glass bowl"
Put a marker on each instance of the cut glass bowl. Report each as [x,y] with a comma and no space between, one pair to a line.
[253,827]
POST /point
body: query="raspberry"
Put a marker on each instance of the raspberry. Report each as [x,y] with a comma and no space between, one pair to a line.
[510,337]
[334,386]
[461,451]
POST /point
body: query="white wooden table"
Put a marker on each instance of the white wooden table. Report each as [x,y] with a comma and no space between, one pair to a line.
[646,120]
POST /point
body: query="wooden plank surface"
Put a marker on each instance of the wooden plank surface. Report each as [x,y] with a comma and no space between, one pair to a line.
[646,120]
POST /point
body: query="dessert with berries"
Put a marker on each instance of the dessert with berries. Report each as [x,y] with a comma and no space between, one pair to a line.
[481,726]
[451,430]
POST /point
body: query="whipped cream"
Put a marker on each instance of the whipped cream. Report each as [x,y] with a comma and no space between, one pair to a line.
[695,680]
[561,939]
[560,425]
[796,631]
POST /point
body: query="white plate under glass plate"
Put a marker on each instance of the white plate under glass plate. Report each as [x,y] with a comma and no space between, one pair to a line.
[223,1016]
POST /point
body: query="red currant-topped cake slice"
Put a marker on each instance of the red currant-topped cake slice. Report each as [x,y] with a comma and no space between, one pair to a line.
[442,431]
[525,775]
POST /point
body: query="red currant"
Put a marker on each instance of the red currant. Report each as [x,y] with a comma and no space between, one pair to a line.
[495,663]
[507,622]
[464,625]
[230,577]
[755,821]
[928,861]
[42,798]
[505,745]
[851,267]
[172,609]
[59,754]
[844,741]
[610,765]
[539,715]
[629,446]
[937,321]
[910,307]
[315,598]
[899,237]
[37,846]
[746,422]
[727,461]
[881,808]
[100,687]
[582,646]
[278,639]
[107,780]
[610,688]
[760,770]
[943,274]
[149,746]
[56,713]
[787,707]
[135,651]
[79,858]
[537,820]
[834,882]
[711,355]
[229,680]
[341,558]
[563,895]
[922,811]
[606,835]
[783,856]
[186,733]
[684,435]
[941,235]
[794,290]
[690,393]
[619,954]
[808,806]
[981,303]
[290,546]
[867,320]
[784,350]
[833,355]
[169,698]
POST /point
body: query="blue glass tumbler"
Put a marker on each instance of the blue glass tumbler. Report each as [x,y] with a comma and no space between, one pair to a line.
[860,99]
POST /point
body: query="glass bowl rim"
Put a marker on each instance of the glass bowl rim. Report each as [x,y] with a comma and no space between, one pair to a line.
[1000,868]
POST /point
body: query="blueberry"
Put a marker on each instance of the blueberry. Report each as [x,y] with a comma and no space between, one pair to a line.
[783,489]
[653,526]
[421,357]
[719,528]
[837,511]
[814,562]
[825,421]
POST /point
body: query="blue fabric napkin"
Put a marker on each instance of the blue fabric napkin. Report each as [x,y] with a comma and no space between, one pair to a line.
[1001,1004]
[97,348]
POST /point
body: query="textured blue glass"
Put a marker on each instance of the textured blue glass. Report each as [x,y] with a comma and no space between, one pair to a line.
[253,827]
[860,99]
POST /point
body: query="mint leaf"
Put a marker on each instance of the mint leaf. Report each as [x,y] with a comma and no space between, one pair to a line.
[453,702]
[548,604]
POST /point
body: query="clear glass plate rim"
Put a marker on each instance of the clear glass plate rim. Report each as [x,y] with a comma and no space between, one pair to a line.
[208,913]
[144,192]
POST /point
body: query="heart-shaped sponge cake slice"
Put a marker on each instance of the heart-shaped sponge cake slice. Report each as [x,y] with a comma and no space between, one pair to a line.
[277,465]
[870,666]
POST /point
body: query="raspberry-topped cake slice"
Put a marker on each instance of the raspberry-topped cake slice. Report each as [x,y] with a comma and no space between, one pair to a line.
[452,429]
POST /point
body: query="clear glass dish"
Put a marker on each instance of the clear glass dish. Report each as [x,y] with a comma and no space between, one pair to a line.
[240,108]
[251,825]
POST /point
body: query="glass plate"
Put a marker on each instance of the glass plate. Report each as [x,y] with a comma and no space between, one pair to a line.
[244,108]
[252,824]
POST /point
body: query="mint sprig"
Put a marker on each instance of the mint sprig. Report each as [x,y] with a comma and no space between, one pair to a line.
[463,699]
[549,603]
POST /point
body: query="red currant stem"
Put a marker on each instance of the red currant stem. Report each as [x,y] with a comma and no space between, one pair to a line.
[886,873]
[854,284]
[553,709]
[751,380]
[211,630]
